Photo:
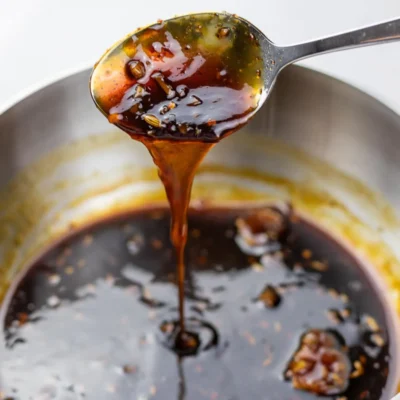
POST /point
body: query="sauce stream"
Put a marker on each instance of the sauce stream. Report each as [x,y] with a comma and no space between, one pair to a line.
[178,87]
[177,167]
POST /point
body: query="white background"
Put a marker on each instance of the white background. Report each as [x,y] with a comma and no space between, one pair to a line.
[42,39]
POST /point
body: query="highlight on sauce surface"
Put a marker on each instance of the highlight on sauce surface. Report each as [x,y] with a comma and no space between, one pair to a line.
[192,77]
[95,317]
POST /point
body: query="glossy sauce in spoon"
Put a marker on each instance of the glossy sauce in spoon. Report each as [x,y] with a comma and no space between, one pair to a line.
[178,87]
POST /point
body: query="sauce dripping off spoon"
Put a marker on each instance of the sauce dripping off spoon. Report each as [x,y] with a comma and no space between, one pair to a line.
[179,86]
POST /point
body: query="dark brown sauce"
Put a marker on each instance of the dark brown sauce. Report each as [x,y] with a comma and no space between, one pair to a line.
[178,87]
[96,315]
[192,78]
[176,171]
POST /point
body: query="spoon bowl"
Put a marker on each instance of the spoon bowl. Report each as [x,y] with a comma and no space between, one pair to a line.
[202,76]
[182,78]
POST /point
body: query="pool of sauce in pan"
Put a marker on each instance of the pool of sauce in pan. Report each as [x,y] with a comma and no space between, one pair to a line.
[94,317]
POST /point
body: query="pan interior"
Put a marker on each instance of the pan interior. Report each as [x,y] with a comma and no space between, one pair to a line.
[68,190]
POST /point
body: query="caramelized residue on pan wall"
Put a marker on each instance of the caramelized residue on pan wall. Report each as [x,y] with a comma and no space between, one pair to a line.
[30,221]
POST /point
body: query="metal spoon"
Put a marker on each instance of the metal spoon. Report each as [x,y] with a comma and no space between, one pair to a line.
[278,57]
[253,62]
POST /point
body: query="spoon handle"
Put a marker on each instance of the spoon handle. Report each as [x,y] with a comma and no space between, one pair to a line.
[382,33]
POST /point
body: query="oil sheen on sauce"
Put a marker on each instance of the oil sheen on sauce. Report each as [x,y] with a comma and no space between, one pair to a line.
[291,317]
[178,87]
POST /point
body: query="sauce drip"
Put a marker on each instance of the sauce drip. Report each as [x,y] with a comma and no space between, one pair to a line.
[176,171]
[178,87]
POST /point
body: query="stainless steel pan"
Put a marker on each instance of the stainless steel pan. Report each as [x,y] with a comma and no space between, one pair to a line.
[330,149]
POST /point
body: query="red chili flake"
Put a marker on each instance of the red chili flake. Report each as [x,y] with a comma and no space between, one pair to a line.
[364,395]
[306,254]
[202,260]
[270,297]
[22,318]
[129,369]
[157,244]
